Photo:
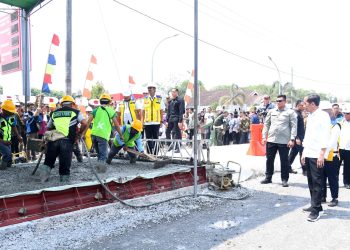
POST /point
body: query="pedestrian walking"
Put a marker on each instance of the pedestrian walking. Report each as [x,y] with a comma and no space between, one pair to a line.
[279,132]
[315,145]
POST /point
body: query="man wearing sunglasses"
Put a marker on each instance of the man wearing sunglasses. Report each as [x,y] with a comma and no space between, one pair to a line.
[279,132]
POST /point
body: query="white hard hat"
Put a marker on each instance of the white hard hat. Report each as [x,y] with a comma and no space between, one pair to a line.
[151,85]
[88,109]
[346,108]
[325,105]
[218,108]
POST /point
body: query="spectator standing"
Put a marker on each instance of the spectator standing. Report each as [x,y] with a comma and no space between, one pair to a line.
[337,115]
[174,116]
[254,118]
[265,106]
[344,146]
[315,144]
[33,124]
[298,147]
[244,128]
[279,132]
[219,127]
[153,110]
[234,125]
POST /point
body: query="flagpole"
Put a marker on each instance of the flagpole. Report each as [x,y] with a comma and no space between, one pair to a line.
[47,62]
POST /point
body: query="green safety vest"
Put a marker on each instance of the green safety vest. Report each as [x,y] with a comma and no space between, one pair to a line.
[129,142]
[6,128]
[62,119]
[102,126]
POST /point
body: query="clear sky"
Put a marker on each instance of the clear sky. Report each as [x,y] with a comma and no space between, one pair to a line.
[309,36]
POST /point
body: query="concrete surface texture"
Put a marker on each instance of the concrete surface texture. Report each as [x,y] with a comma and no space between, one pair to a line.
[271,218]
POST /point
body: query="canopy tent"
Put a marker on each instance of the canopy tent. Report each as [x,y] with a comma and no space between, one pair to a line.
[27,5]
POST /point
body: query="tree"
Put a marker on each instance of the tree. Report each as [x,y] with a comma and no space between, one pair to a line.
[183,86]
[35,91]
[236,96]
[97,90]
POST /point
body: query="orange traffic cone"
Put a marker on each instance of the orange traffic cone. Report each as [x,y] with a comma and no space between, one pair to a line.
[255,147]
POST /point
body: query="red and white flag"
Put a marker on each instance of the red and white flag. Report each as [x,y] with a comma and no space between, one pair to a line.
[89,78]
[189,89]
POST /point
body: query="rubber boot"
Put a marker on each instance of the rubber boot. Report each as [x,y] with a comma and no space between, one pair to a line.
[64,178]
[45,173]
[3,165]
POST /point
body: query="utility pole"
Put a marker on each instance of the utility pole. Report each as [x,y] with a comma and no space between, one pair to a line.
[69,48]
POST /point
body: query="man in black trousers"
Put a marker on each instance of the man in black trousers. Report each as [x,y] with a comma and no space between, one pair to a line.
[279,132]
[298,148]
[316,141]
[174,117]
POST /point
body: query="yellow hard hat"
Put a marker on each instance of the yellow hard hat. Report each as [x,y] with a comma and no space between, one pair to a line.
[106,96]
[52,105]
[67,98]
[9,106]
[137,124]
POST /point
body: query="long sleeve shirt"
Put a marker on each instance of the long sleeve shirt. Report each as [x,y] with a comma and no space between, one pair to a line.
[176,110]
[344,141]
[317,134]
[280,126]
[333,139]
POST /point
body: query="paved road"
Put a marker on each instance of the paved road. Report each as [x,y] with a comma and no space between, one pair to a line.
[270,219]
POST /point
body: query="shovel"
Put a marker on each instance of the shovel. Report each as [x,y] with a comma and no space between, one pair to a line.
[157,163]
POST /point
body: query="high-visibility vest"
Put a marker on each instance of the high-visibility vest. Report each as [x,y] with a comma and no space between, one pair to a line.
[65,121]
[102,126]
[6,128]
[331,152]
[152,109]
[129,142]
[132,107]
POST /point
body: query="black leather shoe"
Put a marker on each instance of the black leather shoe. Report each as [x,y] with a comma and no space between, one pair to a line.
[333,203]
[291,171]
[266,181]
[285,184]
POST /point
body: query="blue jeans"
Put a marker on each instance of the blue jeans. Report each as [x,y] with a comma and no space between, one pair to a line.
[101,146]
[5,151]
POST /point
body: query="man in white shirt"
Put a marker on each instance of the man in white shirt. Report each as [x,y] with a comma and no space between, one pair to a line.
[344,146]
[315,143]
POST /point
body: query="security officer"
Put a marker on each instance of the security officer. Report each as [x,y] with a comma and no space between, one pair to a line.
[103,117]
[153,111]
[131,134]
[128,110]
[174,118]
[7,124]
[65,121]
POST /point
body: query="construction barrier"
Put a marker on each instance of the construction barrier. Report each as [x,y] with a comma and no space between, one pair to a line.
[255,147]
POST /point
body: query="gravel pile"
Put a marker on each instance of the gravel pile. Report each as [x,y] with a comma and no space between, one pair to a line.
[19,179]
[78,229]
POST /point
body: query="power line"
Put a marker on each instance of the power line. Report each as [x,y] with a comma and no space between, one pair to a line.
[225,50]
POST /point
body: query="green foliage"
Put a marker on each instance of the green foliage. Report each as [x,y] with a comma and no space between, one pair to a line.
[97,90]
[35,91]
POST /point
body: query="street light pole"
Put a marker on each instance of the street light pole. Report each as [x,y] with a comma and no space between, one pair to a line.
[154,51]
[279,76]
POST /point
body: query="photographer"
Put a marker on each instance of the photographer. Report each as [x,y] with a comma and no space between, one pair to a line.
[265,106]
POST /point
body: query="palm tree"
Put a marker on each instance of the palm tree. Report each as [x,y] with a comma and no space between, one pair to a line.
[235,97]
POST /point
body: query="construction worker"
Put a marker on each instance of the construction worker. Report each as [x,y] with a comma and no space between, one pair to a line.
[88,139]
[152,114]
[63,125]
[103,117]
[131,134]
[7,124]
[128,110]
